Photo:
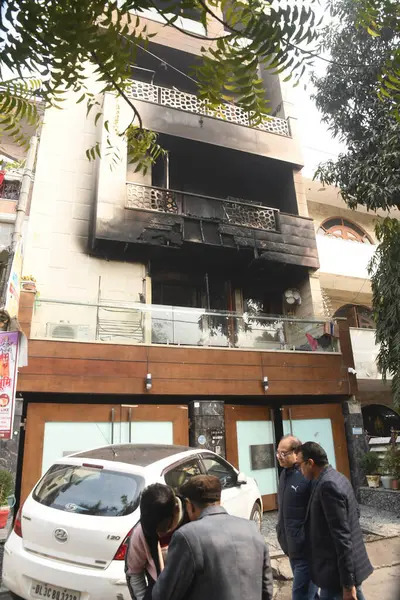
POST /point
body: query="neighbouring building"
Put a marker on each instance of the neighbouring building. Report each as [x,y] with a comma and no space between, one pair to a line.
[183,305]
[346,244]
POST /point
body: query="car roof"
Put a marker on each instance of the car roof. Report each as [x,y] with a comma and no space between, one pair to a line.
[141,455]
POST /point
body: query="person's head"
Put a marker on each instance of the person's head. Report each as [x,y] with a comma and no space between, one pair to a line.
[200,492]
[158,508]
[286,453]
[312,459]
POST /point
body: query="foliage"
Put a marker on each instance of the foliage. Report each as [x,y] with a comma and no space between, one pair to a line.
[368,173]
[391,462]
[56,41]
[6,486]
[370,463]
[385,279]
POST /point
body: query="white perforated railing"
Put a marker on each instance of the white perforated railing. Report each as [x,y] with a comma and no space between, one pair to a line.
[191,103]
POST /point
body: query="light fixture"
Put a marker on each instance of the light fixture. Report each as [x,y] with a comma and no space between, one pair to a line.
[352,371]
[149,382]
[265,384]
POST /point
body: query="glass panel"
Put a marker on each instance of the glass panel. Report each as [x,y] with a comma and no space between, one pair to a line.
[314,430]
[89,491]
[62,439]
[180,474]
[158,324]
[220,469]
[253,433]
[147,432]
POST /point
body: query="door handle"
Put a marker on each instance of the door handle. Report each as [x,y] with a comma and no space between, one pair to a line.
[112,424]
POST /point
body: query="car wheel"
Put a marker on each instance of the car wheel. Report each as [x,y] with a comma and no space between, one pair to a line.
[256,515]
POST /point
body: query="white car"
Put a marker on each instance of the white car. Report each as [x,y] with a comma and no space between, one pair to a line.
[70,537]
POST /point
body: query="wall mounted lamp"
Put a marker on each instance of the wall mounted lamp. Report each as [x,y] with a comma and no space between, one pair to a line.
[149,381]
[265,384]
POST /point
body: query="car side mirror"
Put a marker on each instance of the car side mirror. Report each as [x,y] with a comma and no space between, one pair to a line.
[241,479]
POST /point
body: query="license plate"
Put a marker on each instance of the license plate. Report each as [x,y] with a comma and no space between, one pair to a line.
[52,592]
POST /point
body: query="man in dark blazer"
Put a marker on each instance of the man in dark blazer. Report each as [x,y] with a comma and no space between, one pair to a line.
[293,496]
[215,556]
[338,559]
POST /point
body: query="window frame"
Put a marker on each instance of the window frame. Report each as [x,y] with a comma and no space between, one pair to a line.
[223,462]
[345,225]
[194,457]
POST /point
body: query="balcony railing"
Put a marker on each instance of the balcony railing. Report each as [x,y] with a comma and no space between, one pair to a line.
[365,352]
[135,323]
[190,103]
[233,212]
[10,187]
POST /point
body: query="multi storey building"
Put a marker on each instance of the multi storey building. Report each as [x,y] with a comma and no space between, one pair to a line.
[183,305]
[346,244]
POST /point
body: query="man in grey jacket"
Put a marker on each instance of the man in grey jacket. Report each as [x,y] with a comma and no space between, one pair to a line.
[215,556]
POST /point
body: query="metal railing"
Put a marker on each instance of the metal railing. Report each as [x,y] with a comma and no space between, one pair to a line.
[10,187]
[136,323]
[233,212]
[174,98]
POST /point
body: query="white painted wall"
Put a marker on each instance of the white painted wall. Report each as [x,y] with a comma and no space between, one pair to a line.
[56,250]
[343,257]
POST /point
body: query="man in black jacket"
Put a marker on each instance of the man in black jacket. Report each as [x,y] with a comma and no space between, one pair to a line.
[293,495]
[338,559]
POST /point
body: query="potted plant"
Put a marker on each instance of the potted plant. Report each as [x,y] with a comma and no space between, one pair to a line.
[6,489]
[387,468]
[370,464]
[391,463]
[28,283]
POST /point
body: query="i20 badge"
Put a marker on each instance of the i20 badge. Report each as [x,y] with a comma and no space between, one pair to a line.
[61,535]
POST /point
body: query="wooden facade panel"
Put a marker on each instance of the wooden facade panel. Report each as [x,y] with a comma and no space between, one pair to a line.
[73,367]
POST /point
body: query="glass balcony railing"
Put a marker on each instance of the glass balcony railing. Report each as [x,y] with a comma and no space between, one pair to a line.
[135,323]
[365,351]
[173,98]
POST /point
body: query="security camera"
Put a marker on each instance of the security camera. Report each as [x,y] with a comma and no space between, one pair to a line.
[352,371]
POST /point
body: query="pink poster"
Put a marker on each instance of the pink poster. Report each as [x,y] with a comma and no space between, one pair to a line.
[8,381]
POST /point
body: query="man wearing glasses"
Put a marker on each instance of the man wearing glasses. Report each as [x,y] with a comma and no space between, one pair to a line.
[293,496]
[339,562]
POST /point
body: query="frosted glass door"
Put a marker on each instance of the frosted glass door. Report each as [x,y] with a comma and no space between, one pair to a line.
[249,435]
[62,439]
[314,430]
[147,432]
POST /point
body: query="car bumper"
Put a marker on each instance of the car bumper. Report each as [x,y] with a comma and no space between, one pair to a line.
[20,568]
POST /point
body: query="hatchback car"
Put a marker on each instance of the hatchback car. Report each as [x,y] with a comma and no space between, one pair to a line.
[70,537]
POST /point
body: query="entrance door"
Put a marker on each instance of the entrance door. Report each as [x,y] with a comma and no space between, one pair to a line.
[57,430]
[250,447]
[321,423]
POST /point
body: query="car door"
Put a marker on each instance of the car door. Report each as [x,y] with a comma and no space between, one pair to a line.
[234,497]
[177,474]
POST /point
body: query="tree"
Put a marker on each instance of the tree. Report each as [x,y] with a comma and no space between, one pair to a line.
[52,41]
[360,106]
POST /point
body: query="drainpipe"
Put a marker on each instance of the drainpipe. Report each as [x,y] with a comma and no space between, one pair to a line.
[22,204]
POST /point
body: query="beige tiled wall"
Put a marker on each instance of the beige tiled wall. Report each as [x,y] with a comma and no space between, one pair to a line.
[319,212]
[56,249]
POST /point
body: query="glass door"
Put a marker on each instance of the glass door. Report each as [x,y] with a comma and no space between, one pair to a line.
[250,447]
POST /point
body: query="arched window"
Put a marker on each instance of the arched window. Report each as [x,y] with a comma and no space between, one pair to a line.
[345,229]
[358,316]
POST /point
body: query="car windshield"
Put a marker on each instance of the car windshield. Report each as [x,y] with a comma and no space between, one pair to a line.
[89,490]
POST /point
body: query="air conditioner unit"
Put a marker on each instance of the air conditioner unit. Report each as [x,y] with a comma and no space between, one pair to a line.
[68,331]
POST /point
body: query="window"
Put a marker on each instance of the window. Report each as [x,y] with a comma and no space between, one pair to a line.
[345,229]
[179,474]
[89,491]
[218,467]
[357,316]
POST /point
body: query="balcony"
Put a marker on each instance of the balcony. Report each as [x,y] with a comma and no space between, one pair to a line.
[11,184]
[343,258]
[153,219]
[174,98]
[232,212]
[365,352]
[136,323]
[174,112]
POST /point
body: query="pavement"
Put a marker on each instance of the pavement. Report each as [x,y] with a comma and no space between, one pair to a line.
[381,533]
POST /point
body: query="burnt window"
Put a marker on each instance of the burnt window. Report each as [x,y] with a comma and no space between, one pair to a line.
[357,316]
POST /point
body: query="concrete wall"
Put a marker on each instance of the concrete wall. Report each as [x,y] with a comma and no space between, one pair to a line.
[320,211]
